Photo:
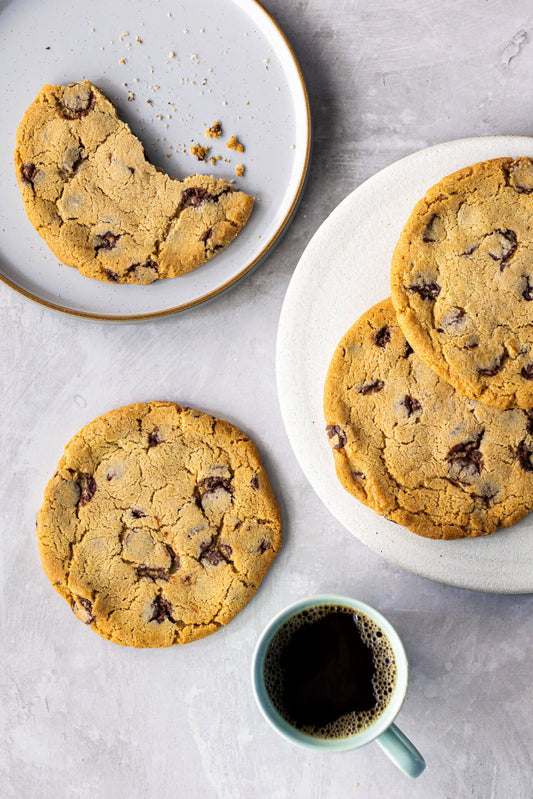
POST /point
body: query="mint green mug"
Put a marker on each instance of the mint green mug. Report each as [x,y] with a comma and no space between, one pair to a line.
[382,730]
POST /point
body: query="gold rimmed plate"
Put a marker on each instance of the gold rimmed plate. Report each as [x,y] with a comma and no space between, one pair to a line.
[209,61]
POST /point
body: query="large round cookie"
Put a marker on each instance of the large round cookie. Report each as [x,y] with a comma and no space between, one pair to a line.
[414,449]
[102,207]
[462,281]
[158,525]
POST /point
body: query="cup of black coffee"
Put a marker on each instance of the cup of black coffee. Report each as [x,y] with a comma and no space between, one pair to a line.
[330,673]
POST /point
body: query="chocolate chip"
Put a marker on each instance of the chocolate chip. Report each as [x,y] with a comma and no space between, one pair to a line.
[28,173]
[264,545]
[466,459]
[254,482]
[427,291]
[209,484]
[529,423]
[174,560]
[149,266]
[359,475]
[82,609]
[111,475]
[435,230]
[490,371]
[161,610]
[77,101]
[213,557]
[107,241]
[207,235]
[382,337]
[138,514]
[502,245]
[408,350]
[372,388]
[73,159]
[453,320]
[114,277]
[87,485]
[333,430]
[411,405]
[521,175]
[527,372]
[154,438]
[187,580]
[524,456]
[470,250]
[527,293]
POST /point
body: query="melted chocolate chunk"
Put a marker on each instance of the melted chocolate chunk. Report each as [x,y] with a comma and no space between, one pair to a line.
[524,456]
[427,291]
[411,405]
[470,250]
[148,264]
[154,438]
[114,277]
[527,372]
[502,246]
[77,102]
[209,484]
[161,610]
[333,430]
[138,514]
[490,371]
[264,545]
[254,482]
[207,235]
[382,337]
[87,485]
[527,293]
[359,475]
[153,572]
[107,241]
[456,318]
[28,173]
[434,230]
[196,196]
[466,459]
[521,175]
[226,550]
[408,350]
[213,557]
[372,388]
[529,423]
[83,609]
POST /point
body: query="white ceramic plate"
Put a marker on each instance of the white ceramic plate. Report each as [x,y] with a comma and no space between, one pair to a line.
[343,272]
[230,62]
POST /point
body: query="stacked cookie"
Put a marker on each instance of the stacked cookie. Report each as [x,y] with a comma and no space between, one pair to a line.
[429,396]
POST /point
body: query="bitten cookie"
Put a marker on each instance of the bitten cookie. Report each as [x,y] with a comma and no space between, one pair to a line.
[415,450]
[462,281]
[102,207]
[158,525]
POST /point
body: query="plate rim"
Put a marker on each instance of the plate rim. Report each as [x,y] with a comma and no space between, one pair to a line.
[270,244]
[282,360]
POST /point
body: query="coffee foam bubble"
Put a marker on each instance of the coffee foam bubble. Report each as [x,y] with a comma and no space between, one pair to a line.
[383,682]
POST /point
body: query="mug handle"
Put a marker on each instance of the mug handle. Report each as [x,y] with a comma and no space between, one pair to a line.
[401,751]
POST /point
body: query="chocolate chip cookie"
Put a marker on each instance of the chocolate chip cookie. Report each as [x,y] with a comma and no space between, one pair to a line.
[415,450]
[102,207]
[158,525]
[462,281]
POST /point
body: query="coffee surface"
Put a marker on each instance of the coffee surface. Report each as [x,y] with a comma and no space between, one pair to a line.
[330,671]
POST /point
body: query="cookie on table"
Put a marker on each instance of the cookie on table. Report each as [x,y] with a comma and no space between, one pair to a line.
[158,525]
[415,450]
[102,207]
[462,281]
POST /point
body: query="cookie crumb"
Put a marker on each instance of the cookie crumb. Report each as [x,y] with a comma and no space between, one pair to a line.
[172,54]
[122,61]
[212,161]
[239,170]
[233,144]
[199,152]
[214,131]
[131,97]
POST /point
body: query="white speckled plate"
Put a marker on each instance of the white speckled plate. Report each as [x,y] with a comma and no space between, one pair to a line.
[209,60]
[344,271]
